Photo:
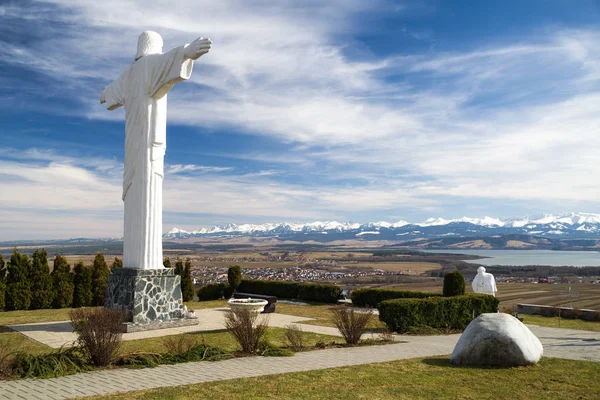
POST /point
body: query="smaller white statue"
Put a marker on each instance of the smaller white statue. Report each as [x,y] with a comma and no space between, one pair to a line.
[484,282]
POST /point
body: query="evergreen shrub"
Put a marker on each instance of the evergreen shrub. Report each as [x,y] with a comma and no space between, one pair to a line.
[187,285]
[292,290]
[372,297]
[234,276]
[454,284]
[17,295]
[100,273]
[62,282]
[42,293]
[214,291]
[82,295]
[456,312]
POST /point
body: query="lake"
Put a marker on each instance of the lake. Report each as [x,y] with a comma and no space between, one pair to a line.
[530,257]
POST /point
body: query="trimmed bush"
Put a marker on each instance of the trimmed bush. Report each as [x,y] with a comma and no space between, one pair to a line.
[214,292]
[292,290]
[317,292]
[372,297]
[234,276]
[454,284]
[280,289]
[400,315]
[62,283]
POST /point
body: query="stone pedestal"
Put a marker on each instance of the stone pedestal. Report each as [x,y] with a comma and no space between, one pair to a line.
[152,298]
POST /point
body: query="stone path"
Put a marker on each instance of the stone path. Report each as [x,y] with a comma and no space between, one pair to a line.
[562,343]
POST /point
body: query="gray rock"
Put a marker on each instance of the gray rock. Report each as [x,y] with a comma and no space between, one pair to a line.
[497,339]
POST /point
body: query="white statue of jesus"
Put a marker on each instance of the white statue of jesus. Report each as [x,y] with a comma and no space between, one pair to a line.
[484,282]
[142,88]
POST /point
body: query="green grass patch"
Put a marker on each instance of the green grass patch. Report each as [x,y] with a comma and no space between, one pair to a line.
[556,322]
[322,314]
[223,340]
[15,342]
[429,378]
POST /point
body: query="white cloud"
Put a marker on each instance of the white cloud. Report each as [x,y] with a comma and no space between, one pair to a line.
[499,121]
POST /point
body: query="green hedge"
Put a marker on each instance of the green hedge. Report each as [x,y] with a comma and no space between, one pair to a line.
[372,297]
[435,312]
[292,290]
[279,289]
[214,291]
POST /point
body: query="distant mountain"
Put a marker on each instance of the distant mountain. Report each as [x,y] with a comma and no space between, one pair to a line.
[557,226]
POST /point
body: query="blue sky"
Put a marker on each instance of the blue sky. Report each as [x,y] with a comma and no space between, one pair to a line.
[302,111]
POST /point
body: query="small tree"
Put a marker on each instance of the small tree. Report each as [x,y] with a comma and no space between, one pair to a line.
[18,292]
[187,286]
[2,282]
[179,267]
[234,277]
[82,295]
[167,263]
[42,293]
[454,284]
[62,282]
[99,279]
[116,264]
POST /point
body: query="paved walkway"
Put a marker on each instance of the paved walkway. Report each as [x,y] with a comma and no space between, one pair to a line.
[562,343]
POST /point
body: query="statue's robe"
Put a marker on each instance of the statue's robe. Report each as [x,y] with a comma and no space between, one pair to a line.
[484,283]
[142,88]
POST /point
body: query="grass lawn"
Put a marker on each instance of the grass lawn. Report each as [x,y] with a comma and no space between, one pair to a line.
[429,378]
[321,312]
[555,322]
[224,340]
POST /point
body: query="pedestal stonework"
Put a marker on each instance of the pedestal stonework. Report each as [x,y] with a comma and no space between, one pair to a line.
[151,296]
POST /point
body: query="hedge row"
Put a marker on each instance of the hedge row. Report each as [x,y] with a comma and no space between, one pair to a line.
[280,289]
[292,290]
[214,292]
[435,312]
[372,297]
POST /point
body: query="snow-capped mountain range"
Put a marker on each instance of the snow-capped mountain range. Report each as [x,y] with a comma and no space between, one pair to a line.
[569,225]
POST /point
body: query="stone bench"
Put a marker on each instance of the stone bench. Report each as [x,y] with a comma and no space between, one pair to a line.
[269,308]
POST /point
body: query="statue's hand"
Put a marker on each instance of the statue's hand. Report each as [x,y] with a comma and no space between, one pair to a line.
[102,98]
[197,48]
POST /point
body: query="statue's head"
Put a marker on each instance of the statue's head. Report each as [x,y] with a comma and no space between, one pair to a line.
[149,42]
[480,271]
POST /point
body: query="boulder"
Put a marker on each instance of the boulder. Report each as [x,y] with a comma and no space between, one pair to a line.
[497,339]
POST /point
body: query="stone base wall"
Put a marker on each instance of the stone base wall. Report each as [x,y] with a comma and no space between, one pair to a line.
[147,294]
[563,312]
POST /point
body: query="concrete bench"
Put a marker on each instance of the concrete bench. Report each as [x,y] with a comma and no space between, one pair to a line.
[269,308]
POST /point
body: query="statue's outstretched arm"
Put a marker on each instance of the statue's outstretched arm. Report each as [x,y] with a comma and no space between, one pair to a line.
[197,48]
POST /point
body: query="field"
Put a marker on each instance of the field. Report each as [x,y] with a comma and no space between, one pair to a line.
[510,294]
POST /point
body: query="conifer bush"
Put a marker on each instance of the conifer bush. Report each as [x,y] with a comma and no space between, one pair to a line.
[2,282]
[234,277]
[42,292]
[187,285]
[99,280]
[62,282]
[82,295]
[116,264]
[167,263]
[454,284]
[17,294]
